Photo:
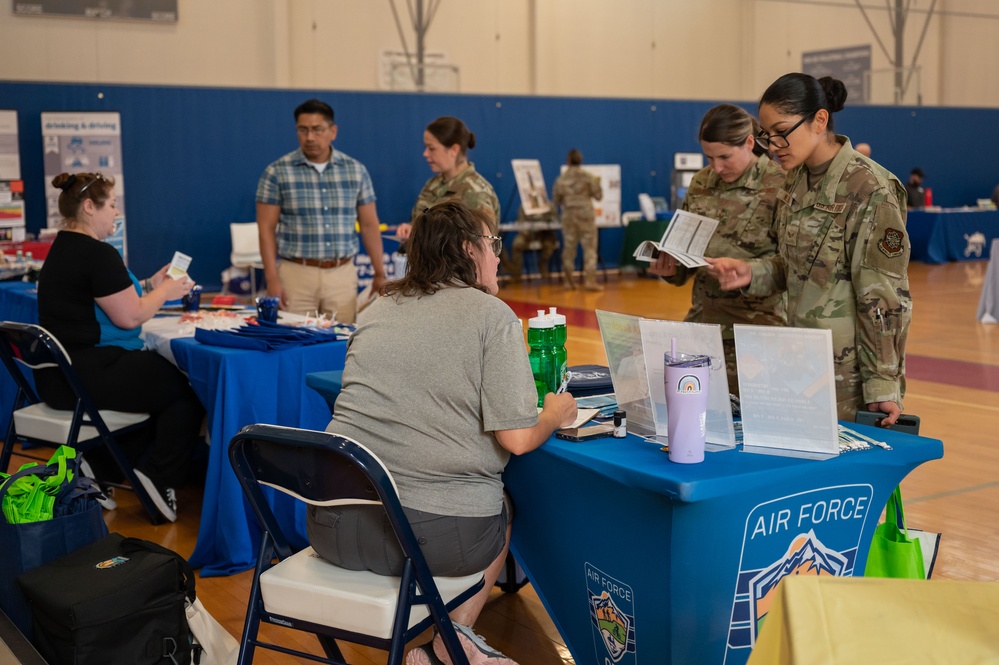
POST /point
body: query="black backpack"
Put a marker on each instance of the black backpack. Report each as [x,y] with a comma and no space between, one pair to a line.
[117,601]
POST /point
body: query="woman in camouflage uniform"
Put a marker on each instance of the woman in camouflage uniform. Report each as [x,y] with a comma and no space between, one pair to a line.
[739,189]
[446,144]
[843,253]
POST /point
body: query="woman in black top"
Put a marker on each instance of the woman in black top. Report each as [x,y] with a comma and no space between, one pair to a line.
[95,307]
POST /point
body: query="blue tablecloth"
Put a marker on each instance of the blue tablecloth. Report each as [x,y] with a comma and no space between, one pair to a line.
[952,235]
[240,387]
[640,560]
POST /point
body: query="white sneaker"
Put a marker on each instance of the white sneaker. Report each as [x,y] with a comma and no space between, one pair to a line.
[476,649]
[106,498]
[165,500]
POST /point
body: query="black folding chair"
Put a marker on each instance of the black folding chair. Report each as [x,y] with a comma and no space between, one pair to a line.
[305,592]
[84,427]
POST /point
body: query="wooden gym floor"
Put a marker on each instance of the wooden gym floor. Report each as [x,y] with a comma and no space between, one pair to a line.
[953,385]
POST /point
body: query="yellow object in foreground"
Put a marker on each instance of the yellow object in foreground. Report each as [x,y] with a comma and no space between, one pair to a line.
[849,620]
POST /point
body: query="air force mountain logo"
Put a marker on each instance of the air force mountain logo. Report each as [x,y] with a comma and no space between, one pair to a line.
[612,613]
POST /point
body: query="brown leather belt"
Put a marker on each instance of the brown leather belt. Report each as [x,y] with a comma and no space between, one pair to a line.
[319,263]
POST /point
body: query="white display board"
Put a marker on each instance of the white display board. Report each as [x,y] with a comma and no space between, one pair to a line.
[83,142]
[608,209]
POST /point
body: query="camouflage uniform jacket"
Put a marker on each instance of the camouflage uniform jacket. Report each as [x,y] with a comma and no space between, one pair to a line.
[468,187]
[745,213]
[842,258]
[573,190]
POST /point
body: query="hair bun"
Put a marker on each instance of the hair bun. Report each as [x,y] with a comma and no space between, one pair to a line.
[64,181]
[471,140]
[835,93]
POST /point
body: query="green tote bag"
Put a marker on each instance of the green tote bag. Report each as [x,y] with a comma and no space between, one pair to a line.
[893,553]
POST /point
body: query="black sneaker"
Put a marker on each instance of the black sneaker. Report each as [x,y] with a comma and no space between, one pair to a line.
[165,499]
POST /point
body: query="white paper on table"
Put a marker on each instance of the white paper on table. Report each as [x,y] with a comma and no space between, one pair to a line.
[685,239]
[787,389]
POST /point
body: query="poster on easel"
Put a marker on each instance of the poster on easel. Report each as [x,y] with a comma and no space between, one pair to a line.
[84,142]
[531,185]
[608,209]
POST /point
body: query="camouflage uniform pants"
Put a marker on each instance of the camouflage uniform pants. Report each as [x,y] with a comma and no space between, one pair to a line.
[583,232]
[522,243]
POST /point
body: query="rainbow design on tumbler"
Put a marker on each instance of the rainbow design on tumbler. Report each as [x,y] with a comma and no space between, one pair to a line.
[688,385]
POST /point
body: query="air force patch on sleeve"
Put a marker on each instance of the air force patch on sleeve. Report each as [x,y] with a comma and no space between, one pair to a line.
[891,243]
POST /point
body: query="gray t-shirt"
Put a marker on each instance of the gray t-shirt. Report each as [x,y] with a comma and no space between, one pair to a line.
[426,382]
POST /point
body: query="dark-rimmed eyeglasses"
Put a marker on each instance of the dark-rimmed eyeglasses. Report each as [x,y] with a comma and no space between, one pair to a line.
[497,244]
[97,176]
[780,140]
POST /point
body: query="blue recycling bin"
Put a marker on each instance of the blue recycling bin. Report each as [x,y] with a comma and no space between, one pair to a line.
[640,560]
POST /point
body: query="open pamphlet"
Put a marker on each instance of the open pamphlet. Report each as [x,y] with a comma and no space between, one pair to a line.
[685,239]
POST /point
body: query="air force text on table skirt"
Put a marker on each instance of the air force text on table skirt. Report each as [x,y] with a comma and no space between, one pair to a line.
[810,533]
[817,532]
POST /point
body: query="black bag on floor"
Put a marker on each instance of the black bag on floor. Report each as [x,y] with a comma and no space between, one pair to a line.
[117,601]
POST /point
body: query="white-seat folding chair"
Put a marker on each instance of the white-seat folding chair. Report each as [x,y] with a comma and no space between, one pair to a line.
[305,592]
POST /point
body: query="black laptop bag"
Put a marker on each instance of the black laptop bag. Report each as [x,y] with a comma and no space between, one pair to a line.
[117,601]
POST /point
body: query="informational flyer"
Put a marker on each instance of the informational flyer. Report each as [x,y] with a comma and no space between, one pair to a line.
[531,185]
[787,388]
[81,142]
[692,339]
[10,156]
[607,209]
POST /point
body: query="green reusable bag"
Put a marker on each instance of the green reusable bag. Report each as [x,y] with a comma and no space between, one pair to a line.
[893,553]
[29,495]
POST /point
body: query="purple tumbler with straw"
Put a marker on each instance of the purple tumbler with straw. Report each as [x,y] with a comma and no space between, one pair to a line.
[686,381]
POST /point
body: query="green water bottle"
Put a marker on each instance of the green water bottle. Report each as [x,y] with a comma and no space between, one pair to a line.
[540,331]
[559,337]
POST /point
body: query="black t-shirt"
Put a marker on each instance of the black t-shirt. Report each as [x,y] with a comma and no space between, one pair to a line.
[77,270]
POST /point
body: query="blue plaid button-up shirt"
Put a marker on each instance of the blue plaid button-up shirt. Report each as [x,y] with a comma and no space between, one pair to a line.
[318,210]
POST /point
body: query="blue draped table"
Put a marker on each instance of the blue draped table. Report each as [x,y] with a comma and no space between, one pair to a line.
[640,560]
[238,387]
[951,235]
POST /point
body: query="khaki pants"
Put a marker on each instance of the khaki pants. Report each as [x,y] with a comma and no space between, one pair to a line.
[330,291]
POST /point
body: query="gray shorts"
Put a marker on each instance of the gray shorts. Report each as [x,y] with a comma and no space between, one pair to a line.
[361,538]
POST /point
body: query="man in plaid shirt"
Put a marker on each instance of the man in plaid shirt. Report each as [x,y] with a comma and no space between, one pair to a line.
[307,203]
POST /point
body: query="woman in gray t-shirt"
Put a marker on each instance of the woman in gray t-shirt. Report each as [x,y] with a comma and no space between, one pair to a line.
[437,383]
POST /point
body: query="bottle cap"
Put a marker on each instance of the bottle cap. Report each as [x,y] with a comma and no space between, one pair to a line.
[618,417]
[540,321]
[559,319]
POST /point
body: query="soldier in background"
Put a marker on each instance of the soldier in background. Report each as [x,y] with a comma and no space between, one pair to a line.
[547,239]
[843,253]
[573,190]
[739,189]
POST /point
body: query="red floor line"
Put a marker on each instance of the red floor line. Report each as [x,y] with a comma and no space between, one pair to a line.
[922,368]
